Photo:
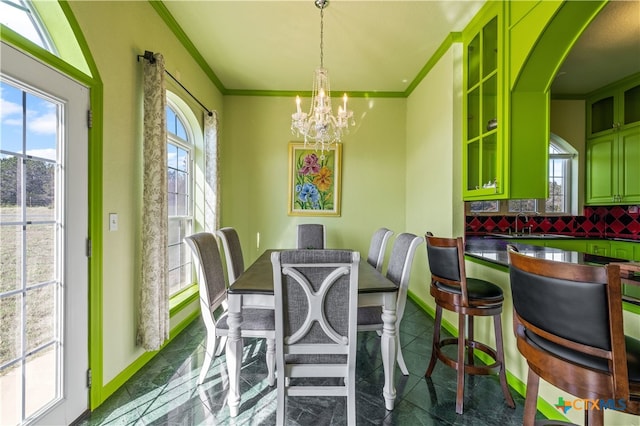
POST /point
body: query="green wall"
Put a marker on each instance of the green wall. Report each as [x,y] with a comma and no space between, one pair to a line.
[255,135]
[116,32]
[434,161]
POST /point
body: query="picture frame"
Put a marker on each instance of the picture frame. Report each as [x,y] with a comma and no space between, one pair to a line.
[315,180]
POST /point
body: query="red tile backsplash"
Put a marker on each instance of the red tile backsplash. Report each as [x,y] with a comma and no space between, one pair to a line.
[597,222]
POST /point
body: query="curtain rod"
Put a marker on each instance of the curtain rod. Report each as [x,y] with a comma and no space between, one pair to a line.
[148,55]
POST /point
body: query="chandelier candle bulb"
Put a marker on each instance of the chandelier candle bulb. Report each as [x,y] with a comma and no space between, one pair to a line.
[298,104]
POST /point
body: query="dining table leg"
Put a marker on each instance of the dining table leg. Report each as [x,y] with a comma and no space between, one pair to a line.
[388,348]
[234,352]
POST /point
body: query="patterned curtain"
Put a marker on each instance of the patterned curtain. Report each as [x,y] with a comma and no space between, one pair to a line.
[153,322]
[211,190]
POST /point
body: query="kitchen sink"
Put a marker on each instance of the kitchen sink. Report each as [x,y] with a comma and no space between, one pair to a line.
[527,235]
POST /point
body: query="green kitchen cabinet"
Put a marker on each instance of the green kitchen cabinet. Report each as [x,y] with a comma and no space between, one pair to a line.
[614,107]
[599,247]
[613,150]
[568,244]
[483,101]
[622,250]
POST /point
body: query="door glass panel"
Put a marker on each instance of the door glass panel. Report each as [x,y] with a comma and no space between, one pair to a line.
[11,255]
[490,103]
[473,114]
[10,194]
[40,253]
[29,223]
[40,378]
[40,190]
[489,159]
[41,133]
[10,315]
[41,322]
[490,47]
[473,59]
[473,162]
[12,113]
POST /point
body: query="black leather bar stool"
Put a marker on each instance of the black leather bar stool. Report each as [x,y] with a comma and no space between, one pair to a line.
[469,298]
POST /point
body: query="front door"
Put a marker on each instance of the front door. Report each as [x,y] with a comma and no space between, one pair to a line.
[43,233]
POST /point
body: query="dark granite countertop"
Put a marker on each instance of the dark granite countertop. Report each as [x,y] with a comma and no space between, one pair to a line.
[494,250]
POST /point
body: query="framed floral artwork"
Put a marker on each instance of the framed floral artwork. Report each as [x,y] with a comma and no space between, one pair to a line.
[314,180]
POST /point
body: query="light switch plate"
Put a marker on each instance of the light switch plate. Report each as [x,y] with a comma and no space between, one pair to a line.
[113,221]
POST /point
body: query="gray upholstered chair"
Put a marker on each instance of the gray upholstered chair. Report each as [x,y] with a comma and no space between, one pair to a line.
[378,247]
[311,236]
[213,295]
[569,327]
[316,296]
[232,252]
[398,271]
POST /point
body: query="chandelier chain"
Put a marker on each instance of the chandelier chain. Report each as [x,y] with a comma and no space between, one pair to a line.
[322,37]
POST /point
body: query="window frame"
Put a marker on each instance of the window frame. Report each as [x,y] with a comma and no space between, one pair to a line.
[187,145]
[44,39]
[569,155]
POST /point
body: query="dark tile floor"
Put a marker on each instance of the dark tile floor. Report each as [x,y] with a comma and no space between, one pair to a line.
[164,391]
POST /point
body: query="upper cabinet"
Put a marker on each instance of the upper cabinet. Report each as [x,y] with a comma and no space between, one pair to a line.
[613,144]
[614,109]
[505,134]
[483,142]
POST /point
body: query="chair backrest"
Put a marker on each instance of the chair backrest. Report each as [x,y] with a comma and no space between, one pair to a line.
[311,236]
[232,252]
[378,247]
[399,269]
[573,312]
[211,282]
[446,262]
[316,293]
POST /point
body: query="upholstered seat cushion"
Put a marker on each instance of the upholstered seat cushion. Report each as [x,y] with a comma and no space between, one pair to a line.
[252,319]
[476,289]
[370,315]
[633,355]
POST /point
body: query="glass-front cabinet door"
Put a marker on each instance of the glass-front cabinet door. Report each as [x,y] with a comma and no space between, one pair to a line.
[482,152]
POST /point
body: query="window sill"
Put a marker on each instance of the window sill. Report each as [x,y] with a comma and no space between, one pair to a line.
[179,300]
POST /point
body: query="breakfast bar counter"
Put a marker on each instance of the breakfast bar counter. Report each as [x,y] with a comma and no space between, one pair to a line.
[487,258]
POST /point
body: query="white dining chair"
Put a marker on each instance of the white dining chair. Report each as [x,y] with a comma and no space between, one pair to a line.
[213,296]
[398,271]
[232,252]
[316,296]
[378,247]
[311,236]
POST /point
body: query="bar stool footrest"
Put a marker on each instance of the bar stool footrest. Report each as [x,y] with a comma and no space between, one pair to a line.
[473,369]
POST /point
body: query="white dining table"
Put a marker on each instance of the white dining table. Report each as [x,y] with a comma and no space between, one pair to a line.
[254,288]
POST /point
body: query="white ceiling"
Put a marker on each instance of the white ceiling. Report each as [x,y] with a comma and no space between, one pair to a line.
[373,46]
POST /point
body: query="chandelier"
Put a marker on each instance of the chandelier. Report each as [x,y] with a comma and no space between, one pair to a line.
[320,128]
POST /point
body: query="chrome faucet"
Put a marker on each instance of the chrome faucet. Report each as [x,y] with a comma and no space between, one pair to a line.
[526,219]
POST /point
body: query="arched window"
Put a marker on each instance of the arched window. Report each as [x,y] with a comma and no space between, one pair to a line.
[21,17]
[180,196]
[563,187]
[561,183]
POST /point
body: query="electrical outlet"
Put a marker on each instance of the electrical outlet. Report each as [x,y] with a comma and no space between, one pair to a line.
[113,221]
